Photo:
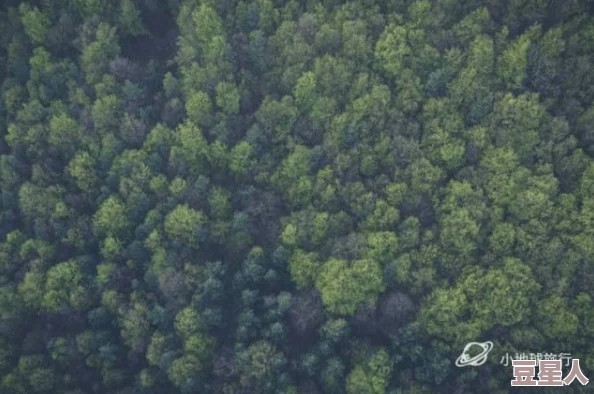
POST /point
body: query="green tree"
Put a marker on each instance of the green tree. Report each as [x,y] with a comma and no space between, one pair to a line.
[186,225]
[208,23]
[35,22]
[97,55]
[304,267]
[499,296]
[111,218]
[65,287]
[82,169]
[199,109]
[130,18]
[227,97]
[305,91]
[188,322]
[64,134]
[106,113]
[514,60]
[516,123]
[36,202]
[344,286]
[373,377]
[241,159]
[135,326]
[31,289]
[258,365]
[392,50]
[194,147]
[556,319]
[183,370]
[459,232]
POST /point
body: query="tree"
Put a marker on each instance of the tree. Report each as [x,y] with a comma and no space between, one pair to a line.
[340,196]
[392,50]
[188,322]
[156,348]
[65,287]
[382,247]
[395,310]
[293,172]
[502,296]
[208,23]
[183,370]
[382,218]
[97,55]
[306,312]
[305,91]
[514,114]
[219,204]
[106,113]
[442,124]
[556,318]
[241,159]
[193,146]
[473,25]
[372,378]
[135,325]
[31,289]
[459,232]
[111,218]
[186,225]
[258,366]
[199,108]
[227,97]
[544,61]
[42,380]
[36,23]
[130,18]
[64,134]
[36,202]
[82,169]
[343,286]
[304,268]
[513,63]
[277,117]
[333,374]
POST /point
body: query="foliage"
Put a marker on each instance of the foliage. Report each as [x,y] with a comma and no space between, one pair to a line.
[261,196]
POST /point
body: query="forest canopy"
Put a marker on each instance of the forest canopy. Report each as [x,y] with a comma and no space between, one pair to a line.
[301,197]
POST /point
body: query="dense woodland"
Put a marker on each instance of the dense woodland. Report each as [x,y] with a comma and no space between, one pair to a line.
[301,197]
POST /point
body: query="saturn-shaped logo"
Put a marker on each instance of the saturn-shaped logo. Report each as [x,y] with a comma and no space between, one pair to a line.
[466,359]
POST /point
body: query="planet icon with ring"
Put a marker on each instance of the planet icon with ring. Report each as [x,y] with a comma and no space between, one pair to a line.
[466,359]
